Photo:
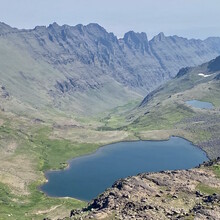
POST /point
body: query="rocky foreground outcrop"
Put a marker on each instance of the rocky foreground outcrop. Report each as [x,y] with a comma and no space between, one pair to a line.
[182,194]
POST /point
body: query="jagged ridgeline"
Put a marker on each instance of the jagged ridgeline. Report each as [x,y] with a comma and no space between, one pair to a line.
[71,68]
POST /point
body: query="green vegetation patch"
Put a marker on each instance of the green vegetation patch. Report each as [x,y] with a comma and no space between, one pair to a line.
[33,206]
[165,117]
[54,153]
[207,189]
[45,154]
[116,118]
[216,169]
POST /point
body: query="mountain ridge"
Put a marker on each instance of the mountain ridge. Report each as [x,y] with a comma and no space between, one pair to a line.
[72,62]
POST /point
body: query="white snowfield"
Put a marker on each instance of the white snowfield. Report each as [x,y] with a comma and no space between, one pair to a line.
[202,74]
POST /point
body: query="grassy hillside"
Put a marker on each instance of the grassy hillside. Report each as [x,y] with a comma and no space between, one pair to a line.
[164,112]
[29,147]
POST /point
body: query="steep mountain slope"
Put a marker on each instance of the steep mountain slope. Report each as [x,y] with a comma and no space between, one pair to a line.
[165,110]
[73,68]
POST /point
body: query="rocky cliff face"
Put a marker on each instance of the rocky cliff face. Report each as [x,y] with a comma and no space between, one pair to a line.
[66,60]
[186,194]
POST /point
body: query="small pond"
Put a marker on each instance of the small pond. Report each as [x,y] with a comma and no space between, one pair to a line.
[90,175]
[200,104]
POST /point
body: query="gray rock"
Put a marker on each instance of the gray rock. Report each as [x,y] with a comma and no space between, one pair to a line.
[85,59]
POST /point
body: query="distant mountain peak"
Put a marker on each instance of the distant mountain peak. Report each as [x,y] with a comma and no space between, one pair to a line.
[159,37]
[95,28]
[37,28]
[3,24]
[136,40]
[135,36]
[94,25]
[54,25]
[4,28]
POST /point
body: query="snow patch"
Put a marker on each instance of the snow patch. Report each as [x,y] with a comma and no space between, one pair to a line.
[203,75]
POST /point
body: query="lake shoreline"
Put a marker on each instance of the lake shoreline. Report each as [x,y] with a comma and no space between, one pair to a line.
[130,141]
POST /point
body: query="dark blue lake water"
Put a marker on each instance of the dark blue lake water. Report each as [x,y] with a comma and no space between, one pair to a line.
[90,175]
[200,104]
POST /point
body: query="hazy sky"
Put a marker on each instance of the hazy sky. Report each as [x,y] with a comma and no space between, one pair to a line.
[188,18]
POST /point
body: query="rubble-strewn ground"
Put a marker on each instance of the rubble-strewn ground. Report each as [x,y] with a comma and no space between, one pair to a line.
[182,194]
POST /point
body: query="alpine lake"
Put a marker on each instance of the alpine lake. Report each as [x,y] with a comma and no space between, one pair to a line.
[88,176]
